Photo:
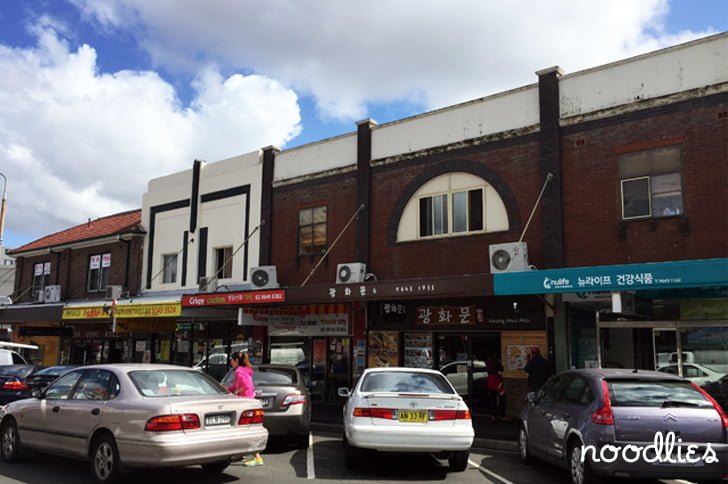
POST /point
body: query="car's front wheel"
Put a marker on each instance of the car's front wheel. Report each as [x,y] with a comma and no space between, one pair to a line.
[215,467]
[579,470]
[105,459]
[458,461]
[10,447]
[523,445]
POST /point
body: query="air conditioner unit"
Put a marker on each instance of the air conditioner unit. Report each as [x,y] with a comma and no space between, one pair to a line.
[350,272]
[263,277]
[5,301]
[207,284]
[509,257]
[52,294]
[113,292]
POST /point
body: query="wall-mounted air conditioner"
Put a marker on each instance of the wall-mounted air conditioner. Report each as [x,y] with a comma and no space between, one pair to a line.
[207,284]
[263,277]
[113,292]
[351,272]
[508,257]
[5,301]
[52,294]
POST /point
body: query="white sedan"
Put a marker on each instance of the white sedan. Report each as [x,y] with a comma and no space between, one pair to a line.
[406,410]
[134,415]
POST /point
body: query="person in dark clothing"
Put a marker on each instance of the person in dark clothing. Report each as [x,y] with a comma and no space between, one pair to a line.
[538,369]
[496,389]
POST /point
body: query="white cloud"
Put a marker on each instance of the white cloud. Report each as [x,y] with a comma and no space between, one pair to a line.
[348,55]
[75,143]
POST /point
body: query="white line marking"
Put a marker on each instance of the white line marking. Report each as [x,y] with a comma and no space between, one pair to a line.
[309,458]
[489,472]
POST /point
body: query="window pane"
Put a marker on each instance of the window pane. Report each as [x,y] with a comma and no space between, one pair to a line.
[459,212]
[475,209]
[305,216]
[170,269]
[319,215]
[425,216]
[224,263]
[439,222]
[93,279]
[319,235]
[635,197]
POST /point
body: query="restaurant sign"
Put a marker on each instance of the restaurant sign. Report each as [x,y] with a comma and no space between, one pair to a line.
[448,315]
[158,310]
[234,298]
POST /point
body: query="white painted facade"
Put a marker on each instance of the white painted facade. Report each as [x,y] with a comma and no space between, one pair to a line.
[224,219]
[330,154]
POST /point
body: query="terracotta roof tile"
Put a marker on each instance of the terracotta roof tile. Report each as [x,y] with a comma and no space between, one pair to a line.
[120,223]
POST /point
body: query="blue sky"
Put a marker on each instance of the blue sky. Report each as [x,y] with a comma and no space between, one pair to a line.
[99,96]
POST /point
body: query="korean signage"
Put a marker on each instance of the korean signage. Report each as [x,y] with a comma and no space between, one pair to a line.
[447,315]
[159,310]
[657,275]
[234,298]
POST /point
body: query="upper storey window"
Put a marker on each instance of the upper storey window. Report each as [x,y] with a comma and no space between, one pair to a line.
[312,230]
[452,204]
[651,183]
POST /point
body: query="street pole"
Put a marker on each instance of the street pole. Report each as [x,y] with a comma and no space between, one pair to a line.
[2,207]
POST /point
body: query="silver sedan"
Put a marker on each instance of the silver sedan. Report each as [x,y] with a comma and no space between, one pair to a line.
[135,415]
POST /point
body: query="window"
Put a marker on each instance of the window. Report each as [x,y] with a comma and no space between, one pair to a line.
[224,262]
[99,268]
[312,231]
[59,389]
[96,385]
[651,183]
[577,391]
[551,390]
[169,274]
[41,276]
[467,213]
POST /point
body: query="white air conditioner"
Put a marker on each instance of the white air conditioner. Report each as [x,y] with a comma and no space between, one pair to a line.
[509,257]
[5,301]
[351,272]
[52,294]
[263,277]
[113,292]
[207,284]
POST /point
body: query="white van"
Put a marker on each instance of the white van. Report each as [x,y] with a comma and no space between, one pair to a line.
[10,357]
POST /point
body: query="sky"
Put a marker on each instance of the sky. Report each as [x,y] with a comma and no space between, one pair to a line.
[97,97]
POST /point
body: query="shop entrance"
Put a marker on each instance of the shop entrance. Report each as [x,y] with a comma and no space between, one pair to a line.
[462,358]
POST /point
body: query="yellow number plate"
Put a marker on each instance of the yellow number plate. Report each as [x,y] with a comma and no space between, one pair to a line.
[413,416]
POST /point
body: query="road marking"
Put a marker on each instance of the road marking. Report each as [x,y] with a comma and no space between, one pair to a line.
[489,472]
[309,458]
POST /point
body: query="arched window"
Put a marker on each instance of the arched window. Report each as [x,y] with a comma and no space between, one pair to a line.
[453,204]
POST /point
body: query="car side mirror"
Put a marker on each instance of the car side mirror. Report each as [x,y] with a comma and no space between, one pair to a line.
[531,398]
[344,392]
[36,393]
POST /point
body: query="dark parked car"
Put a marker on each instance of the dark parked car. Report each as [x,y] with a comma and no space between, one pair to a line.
[719,391]
[13,382]
[624,412]
[45,376]
[285,398]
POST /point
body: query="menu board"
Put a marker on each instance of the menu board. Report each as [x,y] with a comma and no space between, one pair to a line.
[418,350]
[383,348]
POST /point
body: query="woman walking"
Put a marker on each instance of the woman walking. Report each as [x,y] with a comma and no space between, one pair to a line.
[243,387]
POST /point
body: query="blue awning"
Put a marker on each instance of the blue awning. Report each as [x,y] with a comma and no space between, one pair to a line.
[626,277]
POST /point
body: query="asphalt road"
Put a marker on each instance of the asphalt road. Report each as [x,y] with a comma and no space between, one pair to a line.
[323,461]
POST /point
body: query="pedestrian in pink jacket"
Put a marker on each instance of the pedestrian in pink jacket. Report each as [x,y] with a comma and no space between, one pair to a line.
[243,387]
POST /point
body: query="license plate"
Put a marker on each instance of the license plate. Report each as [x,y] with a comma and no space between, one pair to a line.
[413,416]
[220,419]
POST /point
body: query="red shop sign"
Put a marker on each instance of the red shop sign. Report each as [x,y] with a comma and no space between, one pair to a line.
[234,298]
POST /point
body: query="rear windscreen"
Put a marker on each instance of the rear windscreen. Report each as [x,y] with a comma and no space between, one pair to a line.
[654,394]
[274,376]
[406,382]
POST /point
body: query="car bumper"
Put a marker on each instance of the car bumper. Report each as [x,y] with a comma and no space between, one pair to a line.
[429,439]
[640,469]
[285,424]
[177,449]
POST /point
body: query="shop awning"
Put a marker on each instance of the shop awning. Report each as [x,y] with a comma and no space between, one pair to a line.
[626,277]
[142,307]
[20,313]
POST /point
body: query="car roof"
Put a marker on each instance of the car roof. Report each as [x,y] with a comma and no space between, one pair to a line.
[623,374]
[127,367]
[400,369]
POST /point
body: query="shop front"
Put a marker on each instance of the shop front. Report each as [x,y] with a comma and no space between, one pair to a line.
[666,316]
[38,325]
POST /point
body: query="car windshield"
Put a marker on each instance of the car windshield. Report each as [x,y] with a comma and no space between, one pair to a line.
[163,383]
[53,370]
[275,376]
[405,382]
[649,393]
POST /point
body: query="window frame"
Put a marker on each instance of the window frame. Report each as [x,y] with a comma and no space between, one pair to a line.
[165,265]
[312,249]
[40,281]
[450,214]
[101,275]
[226,270]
